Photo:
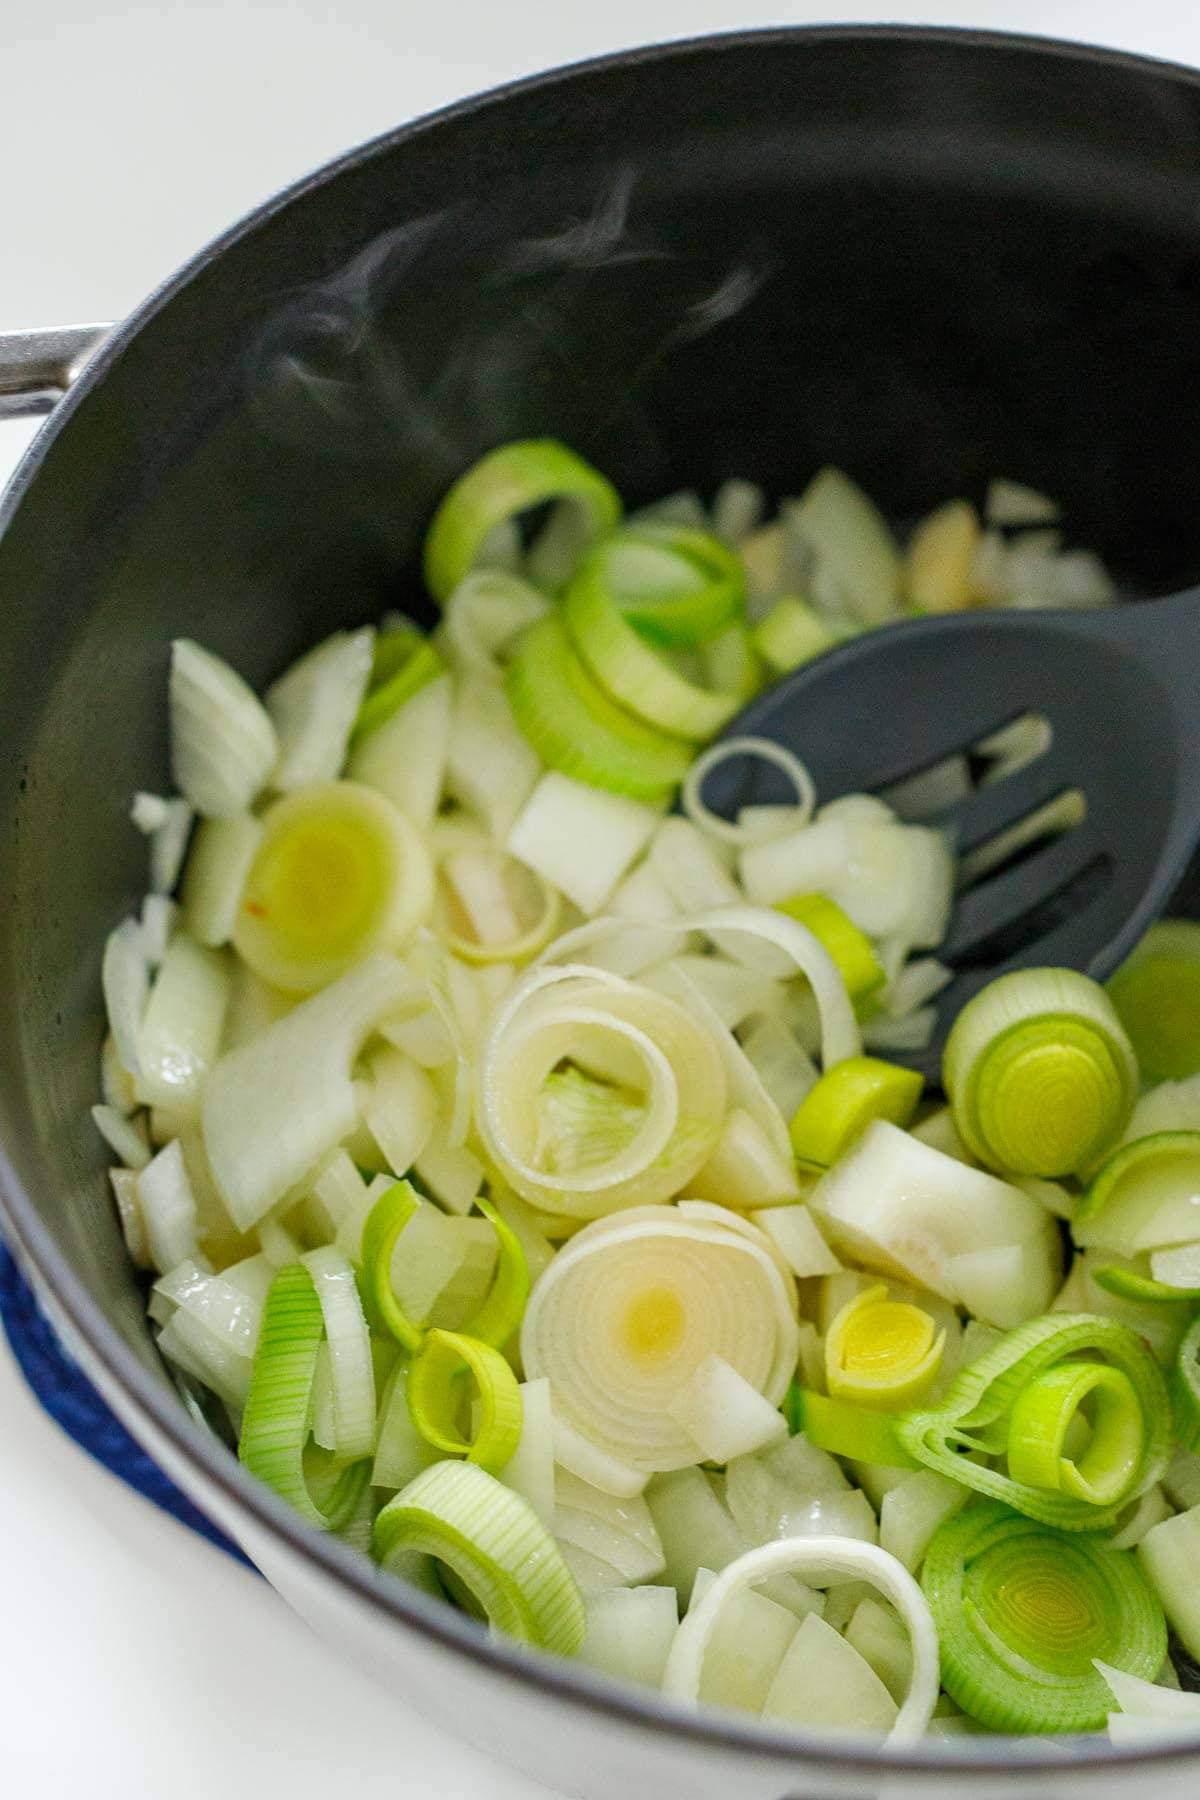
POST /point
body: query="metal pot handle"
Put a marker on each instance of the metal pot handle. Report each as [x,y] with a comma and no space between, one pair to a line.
[37,367]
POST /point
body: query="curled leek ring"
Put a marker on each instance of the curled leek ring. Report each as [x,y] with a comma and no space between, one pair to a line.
[435,1397]
[495,1544]
[882,1353]
[1004,1404]
[788,820]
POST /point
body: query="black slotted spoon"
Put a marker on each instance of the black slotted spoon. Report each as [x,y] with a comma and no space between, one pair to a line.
[1121,691]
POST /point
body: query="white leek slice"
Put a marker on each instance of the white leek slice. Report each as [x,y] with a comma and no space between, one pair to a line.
[797,1234]
[125,976]
[899,1206]
[274,1106]
[314,705]
[629,1632]
[882,1642]
[800,949]
[182,1025]
[349,1342]
[747,1168]
[1006,1284]
[126,1137]
[1149,1700]
[339,873]
[590,1018]
[821,1560]
[491,767]
[753,825]
[168,1209]
[852,543]
[223,744]
[485,614]
[643,897]
[404,759]
[1012,503]
[578,1454]
[400,1451]
[159,919]
[734,993]
[579,838]
[116,1083]
[168,844]
[628,1311]
[738,508]
[720,1411]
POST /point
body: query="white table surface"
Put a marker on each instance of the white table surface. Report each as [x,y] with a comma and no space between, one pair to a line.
[135,1660]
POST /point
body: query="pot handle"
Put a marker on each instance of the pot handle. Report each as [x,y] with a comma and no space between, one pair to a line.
[37,367]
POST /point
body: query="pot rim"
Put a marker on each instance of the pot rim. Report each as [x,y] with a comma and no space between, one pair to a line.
[153,1402]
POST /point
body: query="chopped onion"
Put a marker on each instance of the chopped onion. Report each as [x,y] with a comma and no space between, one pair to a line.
[579,838]
[313,707]
[223,744]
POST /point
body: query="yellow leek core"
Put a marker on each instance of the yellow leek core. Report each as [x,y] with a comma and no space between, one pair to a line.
[339,872]
[1157,997]
[882,1353]
[851,949]
[849,1097]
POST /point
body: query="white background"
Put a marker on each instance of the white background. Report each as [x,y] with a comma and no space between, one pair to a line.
[134,1660]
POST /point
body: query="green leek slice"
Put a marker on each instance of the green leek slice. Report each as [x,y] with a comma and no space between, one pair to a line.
[577,728]
[676,584]
[339,872]
[508,481]
[492,1542]
[635,673]
[1156,992]
[435,1398]
[847,1099]
[275,1423]
[988,1405]
[1022,1611]
[1040,1073]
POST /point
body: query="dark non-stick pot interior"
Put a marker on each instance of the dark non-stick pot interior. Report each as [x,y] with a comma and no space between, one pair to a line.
[928,258]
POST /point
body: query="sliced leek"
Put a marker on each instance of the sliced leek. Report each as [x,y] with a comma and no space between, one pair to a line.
[851,949]
[677,584]
[630,1309]
[313,707]
[386,696]
[1157,996]
[1023,1612]
[503,484]
[495,1545]
[1018,1399]
[275,1425]
[847,1099]
[575,726]
[789,818]
[1144,1196]
[435,1398]
[669,1069]
[490,907]
[882,1353]
[1185,1389]
[1040,1073]
[223,744]
[339,873]
[634,672]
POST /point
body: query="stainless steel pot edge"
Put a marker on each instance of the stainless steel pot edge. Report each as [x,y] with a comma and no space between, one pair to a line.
[148,1403]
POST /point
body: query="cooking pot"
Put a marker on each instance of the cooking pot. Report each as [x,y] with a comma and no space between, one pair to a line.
[930,257]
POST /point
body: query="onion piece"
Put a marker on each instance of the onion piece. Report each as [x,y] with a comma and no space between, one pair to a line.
[223,744]
[313,707]
[823,1560]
